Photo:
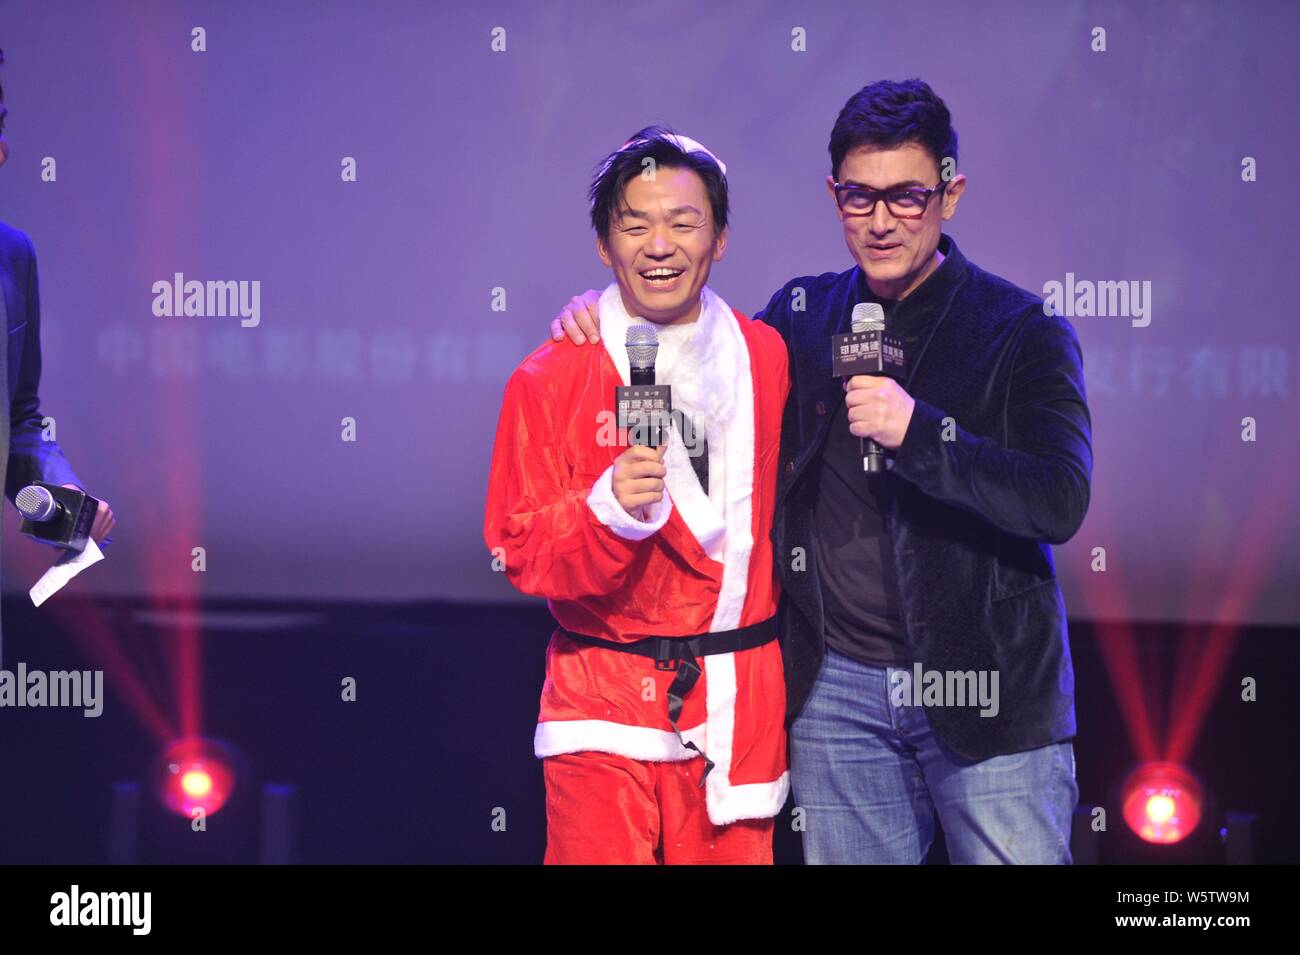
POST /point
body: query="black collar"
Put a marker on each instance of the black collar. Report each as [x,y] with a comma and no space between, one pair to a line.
[911,316]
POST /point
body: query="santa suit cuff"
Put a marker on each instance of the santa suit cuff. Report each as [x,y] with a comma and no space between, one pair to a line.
[609,512]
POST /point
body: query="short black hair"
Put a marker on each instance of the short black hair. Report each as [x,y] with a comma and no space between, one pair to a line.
[889,114]
[618,168]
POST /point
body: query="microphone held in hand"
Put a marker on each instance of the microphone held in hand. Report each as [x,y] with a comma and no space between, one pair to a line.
[644,408]
[59,516]
[869,317]
[868,350]
[642,348]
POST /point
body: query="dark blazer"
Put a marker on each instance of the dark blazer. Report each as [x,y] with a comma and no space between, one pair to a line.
[24,456]
[969,519]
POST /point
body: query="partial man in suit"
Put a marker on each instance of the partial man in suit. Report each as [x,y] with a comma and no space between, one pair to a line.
[25,455]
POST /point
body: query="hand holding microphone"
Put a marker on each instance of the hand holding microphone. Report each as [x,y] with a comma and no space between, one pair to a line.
[644,410]
[868,359]
[879,410]
[639,474]
[62,515]
[104,520]
[66,517]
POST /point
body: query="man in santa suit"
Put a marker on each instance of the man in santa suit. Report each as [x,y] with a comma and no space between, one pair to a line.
[661,728]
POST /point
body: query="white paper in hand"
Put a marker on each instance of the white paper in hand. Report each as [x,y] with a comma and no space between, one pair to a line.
[64,569]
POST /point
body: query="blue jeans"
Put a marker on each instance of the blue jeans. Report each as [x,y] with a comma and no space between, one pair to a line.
[870,776]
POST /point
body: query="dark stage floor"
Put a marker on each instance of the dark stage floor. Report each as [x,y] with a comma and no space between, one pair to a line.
[439,740]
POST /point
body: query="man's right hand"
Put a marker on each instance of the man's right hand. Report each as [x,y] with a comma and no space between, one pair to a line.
[639,474]
[580,319]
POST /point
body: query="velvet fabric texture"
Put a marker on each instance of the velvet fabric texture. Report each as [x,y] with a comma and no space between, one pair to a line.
[995,467]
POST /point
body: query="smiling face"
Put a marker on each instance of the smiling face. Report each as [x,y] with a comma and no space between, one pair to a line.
[896,255]
[662,245]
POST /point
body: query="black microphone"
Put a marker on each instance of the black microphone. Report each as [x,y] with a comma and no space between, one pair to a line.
[644,408]
[868,350]
[60,516]
[869,317]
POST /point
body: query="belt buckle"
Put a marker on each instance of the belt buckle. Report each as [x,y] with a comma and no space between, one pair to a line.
[663,655]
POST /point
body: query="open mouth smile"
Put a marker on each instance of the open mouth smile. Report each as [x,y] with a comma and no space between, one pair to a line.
[662,277]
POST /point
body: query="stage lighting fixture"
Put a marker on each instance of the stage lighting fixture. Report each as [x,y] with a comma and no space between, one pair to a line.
[194,773]
[1162,802]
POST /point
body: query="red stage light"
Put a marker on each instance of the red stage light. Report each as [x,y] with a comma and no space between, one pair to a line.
[1162,802]
[196,783]
[194,773]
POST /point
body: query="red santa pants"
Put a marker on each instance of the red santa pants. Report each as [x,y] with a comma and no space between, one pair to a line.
[603,809]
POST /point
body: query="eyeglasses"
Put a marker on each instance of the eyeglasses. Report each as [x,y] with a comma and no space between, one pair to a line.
[907,203]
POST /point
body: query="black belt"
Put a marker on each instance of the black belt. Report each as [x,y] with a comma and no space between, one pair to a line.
[679,653]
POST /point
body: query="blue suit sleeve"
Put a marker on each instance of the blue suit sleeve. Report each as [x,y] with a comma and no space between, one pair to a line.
[31,456]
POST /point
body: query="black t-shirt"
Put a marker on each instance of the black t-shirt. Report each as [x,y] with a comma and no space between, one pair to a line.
[854,559]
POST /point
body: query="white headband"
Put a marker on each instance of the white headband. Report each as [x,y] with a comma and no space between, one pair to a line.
[684,143]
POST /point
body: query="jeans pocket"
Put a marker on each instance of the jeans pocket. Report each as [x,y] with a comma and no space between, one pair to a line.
[1008,763]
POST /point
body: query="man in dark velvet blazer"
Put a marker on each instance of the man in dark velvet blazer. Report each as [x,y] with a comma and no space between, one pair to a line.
[25,453]
[923,630]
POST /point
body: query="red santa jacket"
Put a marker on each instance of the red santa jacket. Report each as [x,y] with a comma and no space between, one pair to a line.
[686,569]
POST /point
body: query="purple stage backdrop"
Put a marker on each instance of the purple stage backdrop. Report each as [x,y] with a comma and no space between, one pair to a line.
[1159,154]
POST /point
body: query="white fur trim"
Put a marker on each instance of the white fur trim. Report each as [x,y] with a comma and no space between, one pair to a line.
[727,803]
[556,737]
[750,801]
[719,530]
[703,520]
[727,535]
[609,512]
[738,500]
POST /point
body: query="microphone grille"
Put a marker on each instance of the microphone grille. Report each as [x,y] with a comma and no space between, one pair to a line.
[34,503]
[868,317]
[642,345]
